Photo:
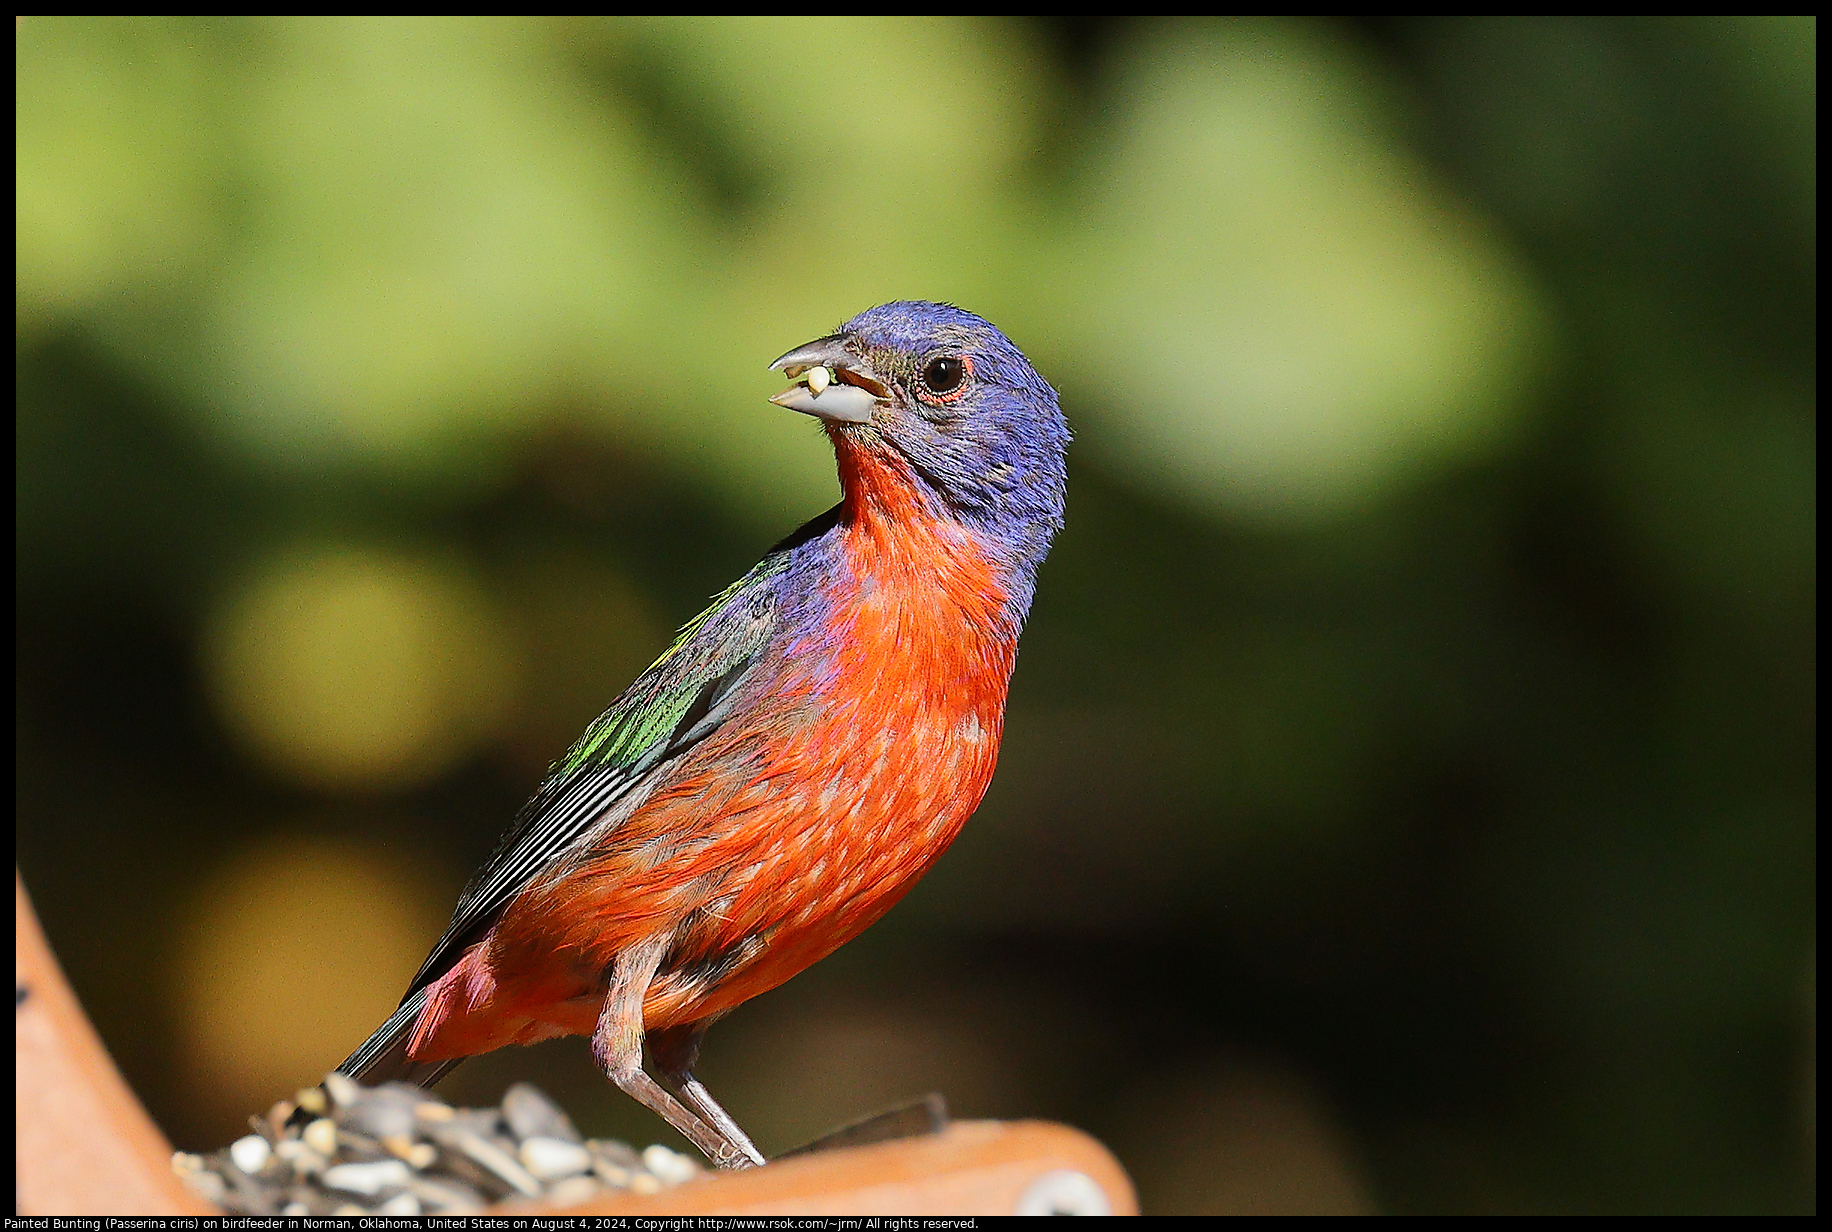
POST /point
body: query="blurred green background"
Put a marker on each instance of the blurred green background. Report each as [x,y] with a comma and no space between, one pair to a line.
[1407,802]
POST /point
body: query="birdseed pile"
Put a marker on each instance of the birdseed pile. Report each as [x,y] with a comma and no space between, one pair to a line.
[395,1149]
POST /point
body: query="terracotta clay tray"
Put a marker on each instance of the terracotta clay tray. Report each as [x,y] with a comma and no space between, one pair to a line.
[87,1147]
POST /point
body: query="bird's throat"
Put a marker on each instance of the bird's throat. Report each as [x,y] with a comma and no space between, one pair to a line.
[877,485]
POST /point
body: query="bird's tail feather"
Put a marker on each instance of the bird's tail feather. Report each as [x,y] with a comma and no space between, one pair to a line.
[383,1058]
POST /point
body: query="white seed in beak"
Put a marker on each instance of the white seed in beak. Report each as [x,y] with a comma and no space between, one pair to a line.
[818,379]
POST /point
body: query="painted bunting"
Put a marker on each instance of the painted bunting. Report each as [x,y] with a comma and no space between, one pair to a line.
[795,761]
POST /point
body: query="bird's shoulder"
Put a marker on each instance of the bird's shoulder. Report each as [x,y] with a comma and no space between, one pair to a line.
[706,657]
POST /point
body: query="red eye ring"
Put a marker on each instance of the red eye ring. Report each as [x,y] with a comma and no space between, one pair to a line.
[953,393]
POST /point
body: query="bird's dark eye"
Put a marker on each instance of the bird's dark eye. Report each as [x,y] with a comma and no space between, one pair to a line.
[943,376]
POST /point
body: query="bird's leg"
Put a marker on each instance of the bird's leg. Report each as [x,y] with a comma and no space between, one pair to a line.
[674,1050]
[696,1096]
[617,1045]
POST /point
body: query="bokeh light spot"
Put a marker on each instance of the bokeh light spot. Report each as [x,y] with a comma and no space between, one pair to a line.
[1303,318]
[342,668]
[293,950]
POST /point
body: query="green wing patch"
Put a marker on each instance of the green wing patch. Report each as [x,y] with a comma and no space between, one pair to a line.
[654,705]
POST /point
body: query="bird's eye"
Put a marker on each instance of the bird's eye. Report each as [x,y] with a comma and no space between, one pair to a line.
[944,377]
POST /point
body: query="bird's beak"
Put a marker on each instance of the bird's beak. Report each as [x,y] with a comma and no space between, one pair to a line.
[830,382]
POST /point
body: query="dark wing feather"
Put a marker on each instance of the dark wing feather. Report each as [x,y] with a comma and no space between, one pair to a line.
[384,1057]
[681,699]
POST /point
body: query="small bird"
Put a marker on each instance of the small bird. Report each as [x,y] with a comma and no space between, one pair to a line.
[795,761]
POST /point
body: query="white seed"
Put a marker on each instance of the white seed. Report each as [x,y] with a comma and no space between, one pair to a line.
[370,1178]
[419,1155]
[549,1159]
[498,1161]
[295,1208]
[670,1167]
[349,1209]
[184,1163]
[645,1183]
[303,1158]
[434,1112]
[321,1136]
[572,1190]
[818,379]
[342,1089]
[251,1153]
[400,1204]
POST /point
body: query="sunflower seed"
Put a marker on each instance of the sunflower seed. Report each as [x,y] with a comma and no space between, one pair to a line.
[345,1149]
[531,1114]
[492,1157]
[302,1158]
[384,1111]
[342,1089]
[416,1155]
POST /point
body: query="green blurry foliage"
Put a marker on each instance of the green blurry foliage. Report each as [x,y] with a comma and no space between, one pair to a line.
[1279,306]
[1414,736]
[393,241]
